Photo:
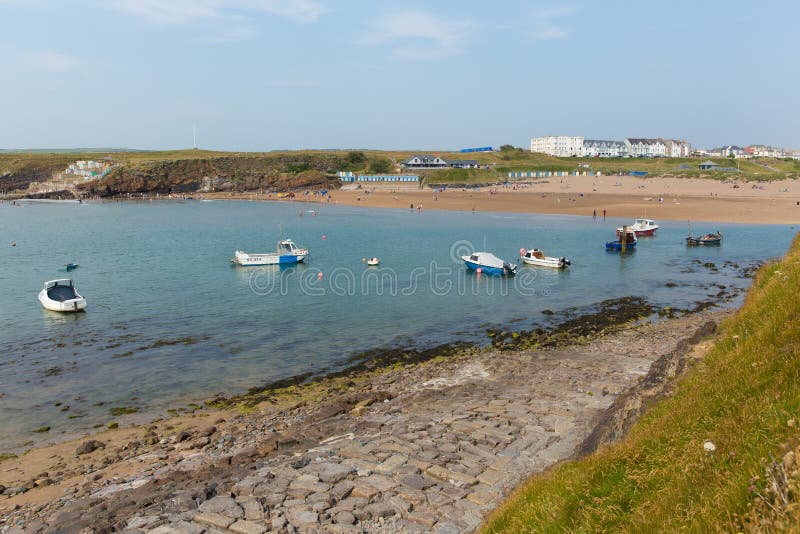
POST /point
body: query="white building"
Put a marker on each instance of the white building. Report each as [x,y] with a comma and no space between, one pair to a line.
[677,148]
[604,149]
[563,146]
[645,148]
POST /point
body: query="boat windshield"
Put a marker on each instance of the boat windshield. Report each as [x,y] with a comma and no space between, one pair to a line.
[286,247]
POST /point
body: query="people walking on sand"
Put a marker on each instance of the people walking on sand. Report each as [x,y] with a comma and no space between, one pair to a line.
[594,215]
[604,214]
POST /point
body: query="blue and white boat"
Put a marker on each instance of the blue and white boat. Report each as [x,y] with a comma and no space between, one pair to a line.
[287,253]
[630,242]
[486,262]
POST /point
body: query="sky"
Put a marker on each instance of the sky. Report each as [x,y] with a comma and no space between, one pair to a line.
[256,75]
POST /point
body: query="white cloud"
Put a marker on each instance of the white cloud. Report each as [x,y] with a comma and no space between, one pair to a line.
[547,22]
[185,11]
[416,34]
[48,61]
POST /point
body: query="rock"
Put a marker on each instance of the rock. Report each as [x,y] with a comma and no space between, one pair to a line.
[278,522]
[417,482]
[213,519]
[89,446]
[342,489]
[709,446]
[301,517]
[379,509]
[247,527]
[344,518]
[333,473]
[222,505]
[253,510]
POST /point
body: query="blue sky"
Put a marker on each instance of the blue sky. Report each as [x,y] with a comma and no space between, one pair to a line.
[275,74]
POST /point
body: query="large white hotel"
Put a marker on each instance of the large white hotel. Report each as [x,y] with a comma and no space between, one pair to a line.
[565,146]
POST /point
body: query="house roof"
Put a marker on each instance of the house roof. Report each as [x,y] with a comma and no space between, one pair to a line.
[462,161]
[596,142]
[643,141]
[425,158]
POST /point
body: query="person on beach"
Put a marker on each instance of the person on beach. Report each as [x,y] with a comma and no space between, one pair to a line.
[604,215]
[594,215]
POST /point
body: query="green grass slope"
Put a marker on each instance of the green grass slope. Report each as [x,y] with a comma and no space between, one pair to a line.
[743,396]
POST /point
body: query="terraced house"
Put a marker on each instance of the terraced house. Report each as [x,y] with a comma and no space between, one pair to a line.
[645,148]
[604,149]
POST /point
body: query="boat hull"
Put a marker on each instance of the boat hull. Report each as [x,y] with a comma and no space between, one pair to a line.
[617,246]
[494,271]
[254,260]
[650,232]
[545,261]
[67,306]
[691,241]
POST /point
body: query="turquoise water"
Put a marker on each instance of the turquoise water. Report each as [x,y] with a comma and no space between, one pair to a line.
[170,320]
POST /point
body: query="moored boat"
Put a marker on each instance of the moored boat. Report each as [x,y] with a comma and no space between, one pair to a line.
[642,227]
[630,242]
[536,257]
[61,296]
[486,262]
[373,262]
[70,266]
[286,253]
[714,238]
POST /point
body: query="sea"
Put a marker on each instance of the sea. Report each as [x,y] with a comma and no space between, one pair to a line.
[170,322]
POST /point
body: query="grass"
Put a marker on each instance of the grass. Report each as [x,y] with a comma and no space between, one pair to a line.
[659,478]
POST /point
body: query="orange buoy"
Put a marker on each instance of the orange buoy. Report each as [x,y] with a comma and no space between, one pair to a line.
[319,275]
[522,252]
[479,270]
[324,236]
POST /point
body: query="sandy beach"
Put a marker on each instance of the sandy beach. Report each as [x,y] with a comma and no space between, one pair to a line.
[620,196]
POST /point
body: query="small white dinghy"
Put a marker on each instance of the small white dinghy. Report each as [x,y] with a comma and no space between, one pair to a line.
[61,296]
[536,257]
[373,262]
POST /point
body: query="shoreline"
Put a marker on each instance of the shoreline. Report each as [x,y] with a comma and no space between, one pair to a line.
[186,445]
[682,199]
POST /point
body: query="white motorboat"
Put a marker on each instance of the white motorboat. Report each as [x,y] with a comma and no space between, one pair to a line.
[286,253]
[641,227]
[373,262]
[61,296]
[536,257]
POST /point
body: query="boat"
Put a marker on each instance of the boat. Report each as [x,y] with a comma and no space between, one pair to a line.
[642,227]
[630,242]
[714,238]
[70,266]
[61,296]
[486,262]
[535,256]
[286,253]
[373,262]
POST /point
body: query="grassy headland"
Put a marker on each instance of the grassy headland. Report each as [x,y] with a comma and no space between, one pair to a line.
[743,397]
[190,170]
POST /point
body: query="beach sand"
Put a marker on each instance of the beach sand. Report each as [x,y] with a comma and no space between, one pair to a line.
[620,196]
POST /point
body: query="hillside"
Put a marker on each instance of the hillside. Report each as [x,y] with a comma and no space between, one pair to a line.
[190,170]
[702,459]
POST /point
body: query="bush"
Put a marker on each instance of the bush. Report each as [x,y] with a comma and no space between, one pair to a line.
[381,165]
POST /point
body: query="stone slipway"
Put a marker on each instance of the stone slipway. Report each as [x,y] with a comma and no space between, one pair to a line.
[425,448]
